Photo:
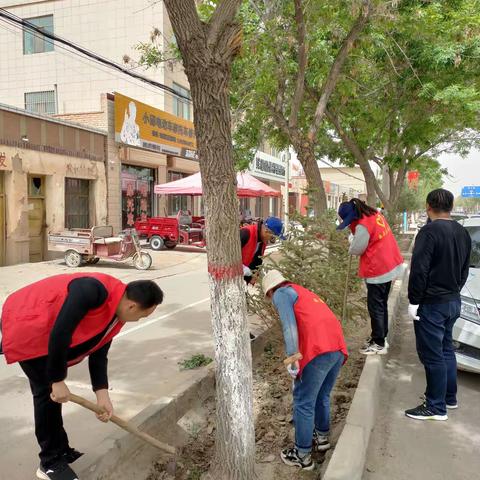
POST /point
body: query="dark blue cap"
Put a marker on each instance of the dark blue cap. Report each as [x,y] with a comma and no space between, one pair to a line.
[348,213]
[275,225]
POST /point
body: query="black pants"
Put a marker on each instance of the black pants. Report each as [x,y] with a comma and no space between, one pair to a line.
[377,301]
[49,430]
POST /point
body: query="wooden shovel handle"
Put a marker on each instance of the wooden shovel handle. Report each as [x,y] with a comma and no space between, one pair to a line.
[292,358]
[122,424]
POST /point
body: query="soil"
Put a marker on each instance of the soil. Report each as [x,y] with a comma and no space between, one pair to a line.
[273,416]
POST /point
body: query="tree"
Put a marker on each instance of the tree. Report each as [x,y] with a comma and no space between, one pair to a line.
[208,48]
[290,48]
[414,93]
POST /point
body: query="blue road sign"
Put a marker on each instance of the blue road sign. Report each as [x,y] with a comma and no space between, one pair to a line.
[471,191]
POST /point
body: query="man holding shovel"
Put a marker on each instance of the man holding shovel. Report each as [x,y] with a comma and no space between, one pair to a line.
[316,350]
[56,323]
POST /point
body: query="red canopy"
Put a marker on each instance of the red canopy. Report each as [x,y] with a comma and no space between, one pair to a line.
[247,186]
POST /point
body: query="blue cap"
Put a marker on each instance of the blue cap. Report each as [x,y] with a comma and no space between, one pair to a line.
[348,213]
[275,225]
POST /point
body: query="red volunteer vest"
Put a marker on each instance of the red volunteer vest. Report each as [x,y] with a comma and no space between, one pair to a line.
[248,251]
[319,330]
[382,254]
[29,314]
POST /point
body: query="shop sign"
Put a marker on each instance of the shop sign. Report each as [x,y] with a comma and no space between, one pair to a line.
[268,167]
[141,125]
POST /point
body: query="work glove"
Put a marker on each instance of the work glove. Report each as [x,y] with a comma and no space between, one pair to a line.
[247,272]
[293,369]
[412,312]
[350,238]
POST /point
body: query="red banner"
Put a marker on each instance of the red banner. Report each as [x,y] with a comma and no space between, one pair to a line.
[412,178]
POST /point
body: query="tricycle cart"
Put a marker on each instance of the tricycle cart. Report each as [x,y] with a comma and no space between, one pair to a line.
[90,245]
[184,229]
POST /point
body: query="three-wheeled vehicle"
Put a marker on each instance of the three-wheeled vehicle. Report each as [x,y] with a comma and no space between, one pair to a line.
[184,229]
[90,245]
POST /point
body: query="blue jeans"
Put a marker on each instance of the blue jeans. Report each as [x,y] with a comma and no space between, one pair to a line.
[311,398]
[433,333]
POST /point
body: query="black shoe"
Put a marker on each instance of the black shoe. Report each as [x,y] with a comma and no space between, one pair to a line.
[58,471]
[72,455]
[292,458]
[321,442]
[422,412]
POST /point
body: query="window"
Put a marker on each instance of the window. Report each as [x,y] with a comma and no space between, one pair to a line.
[36,187]
[176,202]
[41,102]
[181,107]
[35,42]
[77,203]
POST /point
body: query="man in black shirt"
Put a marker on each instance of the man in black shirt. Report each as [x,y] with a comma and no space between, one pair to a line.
[55,323]
[439,270]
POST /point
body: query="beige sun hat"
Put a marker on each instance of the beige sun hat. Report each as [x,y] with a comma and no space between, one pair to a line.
[271,280]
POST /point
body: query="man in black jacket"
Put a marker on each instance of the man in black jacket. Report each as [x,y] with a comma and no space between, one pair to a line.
[439,270]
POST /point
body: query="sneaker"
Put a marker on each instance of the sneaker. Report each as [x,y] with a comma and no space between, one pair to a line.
[321,442]
[72,455]
[292,458]
[373,349]
[58,471]
[422,412]
[452,406]
[368,341]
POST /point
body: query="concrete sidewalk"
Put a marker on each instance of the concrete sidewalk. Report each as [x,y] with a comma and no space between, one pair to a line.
[402,448]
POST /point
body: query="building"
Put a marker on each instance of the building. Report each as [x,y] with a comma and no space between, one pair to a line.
[340,184]
[46,78]
[52,177]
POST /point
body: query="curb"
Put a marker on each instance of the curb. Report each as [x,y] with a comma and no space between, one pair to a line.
[348,458]
[123,456]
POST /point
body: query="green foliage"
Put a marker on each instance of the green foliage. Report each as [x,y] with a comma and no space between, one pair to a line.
[315,256]
[195,361]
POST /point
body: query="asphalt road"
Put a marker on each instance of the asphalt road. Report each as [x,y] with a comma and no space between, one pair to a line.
[402,448]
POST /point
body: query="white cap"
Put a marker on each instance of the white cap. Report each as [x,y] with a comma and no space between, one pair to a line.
[271,280]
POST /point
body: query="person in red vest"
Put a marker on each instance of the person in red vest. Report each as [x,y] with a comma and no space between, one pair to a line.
[254,239]
[316,350]
[56,323]
[380,264]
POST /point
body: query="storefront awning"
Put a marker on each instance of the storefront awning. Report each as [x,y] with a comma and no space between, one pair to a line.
[247,186]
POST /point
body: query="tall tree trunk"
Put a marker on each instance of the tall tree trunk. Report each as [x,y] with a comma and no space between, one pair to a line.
[207,52]
[316,190]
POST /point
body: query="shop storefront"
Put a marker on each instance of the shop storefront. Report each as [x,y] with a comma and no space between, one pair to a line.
[137,194]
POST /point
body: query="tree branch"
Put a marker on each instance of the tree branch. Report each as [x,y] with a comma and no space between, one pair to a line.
[336,68]
[184,19]
[302,64]
[224,14]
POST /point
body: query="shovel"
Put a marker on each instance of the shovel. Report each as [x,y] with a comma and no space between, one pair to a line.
[123,424]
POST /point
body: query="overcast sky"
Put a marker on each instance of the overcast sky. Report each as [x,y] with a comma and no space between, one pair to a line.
[463,171]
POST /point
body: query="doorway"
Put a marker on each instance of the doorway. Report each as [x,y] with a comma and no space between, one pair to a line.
[36,217]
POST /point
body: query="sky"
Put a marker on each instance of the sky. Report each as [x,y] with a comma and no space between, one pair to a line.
[462,171]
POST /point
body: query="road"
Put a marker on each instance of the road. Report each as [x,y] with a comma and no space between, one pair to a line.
[143,360]
[402,448]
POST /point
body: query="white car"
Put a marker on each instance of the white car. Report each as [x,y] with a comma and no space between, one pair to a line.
[466,332]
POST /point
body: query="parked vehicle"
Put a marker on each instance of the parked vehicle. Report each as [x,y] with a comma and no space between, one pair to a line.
[466,332]
[168,232]
[90,245]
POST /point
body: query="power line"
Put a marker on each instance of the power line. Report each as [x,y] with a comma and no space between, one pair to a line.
[80,58]
[341,171]
[21,23]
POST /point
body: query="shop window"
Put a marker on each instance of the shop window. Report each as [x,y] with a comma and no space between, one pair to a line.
[176,202]
[259,207]
[35,42]
[41,102]
[181,107]
[77,203]
[137,194]
[274,206]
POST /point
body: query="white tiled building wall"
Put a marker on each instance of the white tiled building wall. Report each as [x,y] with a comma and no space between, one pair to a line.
[110,28]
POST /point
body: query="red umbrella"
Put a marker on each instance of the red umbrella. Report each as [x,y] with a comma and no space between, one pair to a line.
[247,186]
